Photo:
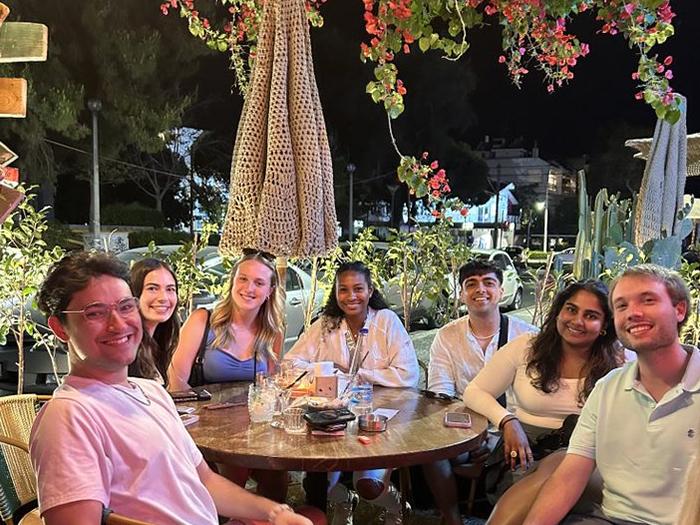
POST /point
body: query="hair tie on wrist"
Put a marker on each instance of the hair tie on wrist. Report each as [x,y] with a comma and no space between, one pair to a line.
[277,510]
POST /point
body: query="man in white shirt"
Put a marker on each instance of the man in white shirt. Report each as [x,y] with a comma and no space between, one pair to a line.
[640,424]
[459,351]
[106,440]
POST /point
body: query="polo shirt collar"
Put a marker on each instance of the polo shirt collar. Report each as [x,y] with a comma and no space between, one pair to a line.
[691,378]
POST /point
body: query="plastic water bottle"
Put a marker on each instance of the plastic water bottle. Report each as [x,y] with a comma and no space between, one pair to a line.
[361,393]
[361,398]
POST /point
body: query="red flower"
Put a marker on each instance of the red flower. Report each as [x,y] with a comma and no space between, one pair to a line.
[463,212]
[434,165]
[668,60]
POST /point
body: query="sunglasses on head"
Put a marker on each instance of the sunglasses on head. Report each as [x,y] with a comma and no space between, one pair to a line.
[249,252]
[440,396]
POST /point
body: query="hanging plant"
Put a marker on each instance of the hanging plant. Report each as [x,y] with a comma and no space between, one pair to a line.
[534,36]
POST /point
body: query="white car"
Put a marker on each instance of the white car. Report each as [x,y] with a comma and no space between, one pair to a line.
[512,285]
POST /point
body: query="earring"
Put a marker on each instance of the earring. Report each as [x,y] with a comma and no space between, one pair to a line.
[603,332]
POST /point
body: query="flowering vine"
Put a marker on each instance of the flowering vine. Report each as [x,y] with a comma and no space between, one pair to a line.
[535,35]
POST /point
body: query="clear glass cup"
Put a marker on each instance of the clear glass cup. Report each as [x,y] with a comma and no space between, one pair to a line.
[294,422]
[282,402]
[261,403]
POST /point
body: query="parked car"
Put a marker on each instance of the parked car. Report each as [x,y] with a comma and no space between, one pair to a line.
[518,256]
[512,285]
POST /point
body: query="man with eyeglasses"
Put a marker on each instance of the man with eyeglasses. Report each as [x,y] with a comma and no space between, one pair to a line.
[459,351]
[107,440]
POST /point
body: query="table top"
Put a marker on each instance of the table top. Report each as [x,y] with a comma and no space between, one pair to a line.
[414,436]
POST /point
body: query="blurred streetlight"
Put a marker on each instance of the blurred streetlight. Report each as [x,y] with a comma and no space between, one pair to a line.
[95,105]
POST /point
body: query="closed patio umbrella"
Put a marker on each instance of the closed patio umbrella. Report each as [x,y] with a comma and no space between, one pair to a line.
[281,192]
[663,184]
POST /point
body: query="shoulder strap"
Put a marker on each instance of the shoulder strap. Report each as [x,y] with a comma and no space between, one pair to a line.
[502,340]
[503,331]
[205,336]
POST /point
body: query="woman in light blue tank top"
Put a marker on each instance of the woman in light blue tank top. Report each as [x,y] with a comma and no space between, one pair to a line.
[246,323]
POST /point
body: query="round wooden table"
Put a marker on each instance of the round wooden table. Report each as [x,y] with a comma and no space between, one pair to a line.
[415,435]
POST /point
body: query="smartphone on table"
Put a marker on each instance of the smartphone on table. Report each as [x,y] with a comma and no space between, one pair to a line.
[458,419]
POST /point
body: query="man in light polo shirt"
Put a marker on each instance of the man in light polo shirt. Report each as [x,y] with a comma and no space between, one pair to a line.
[459,351]
[640,424]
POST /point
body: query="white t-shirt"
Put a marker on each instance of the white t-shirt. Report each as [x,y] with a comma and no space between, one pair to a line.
[123,447]
[456,355]
[391,361]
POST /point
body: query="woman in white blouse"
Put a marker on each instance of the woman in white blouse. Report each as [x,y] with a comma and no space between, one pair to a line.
[388,359]
[545,377]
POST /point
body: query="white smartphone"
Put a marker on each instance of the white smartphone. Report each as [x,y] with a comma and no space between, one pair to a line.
[458,419]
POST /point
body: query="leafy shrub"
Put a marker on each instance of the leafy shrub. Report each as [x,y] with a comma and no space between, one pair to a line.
[157,236]
[133,214]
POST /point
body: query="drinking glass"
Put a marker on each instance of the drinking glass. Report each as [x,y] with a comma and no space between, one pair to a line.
[261,403]
[294,422]
[282,402]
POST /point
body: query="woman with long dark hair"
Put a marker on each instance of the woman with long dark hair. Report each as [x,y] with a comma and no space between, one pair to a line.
[546,378]
[154,283]
[388,359]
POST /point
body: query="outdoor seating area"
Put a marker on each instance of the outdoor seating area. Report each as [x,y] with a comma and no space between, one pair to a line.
[320,262]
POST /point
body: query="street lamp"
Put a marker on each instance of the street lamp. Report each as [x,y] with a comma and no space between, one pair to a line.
[351,170]
[543,206]
[95,105]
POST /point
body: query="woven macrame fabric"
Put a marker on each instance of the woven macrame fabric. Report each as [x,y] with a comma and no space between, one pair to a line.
[663,184]
[281,194]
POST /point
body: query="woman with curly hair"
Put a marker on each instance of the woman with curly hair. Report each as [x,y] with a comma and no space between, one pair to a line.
[388,360]
[154,283]
[546,377]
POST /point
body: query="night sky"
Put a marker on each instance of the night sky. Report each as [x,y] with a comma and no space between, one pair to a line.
[564,123]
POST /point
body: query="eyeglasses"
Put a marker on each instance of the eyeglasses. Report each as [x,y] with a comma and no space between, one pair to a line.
[440,396]
[247,252]
[99,312]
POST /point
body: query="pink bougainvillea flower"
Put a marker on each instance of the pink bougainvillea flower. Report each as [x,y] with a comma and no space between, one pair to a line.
[668,60]
[550,88]
[424,155]
[635,75]
[434,165]
[669,74]
[501,59]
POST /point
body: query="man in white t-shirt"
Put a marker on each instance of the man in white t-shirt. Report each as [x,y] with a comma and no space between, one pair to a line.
[640,424]
[108,441]
[459,351]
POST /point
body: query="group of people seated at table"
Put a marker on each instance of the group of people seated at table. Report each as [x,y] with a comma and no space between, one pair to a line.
[608,366]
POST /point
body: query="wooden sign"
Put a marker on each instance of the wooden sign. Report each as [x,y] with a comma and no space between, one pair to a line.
[7,156]
[23,42]
[9,199]
[13,97]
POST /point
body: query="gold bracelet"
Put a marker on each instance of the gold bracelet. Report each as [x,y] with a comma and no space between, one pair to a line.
[277,510]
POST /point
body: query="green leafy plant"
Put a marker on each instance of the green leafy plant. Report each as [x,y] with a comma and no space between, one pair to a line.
[24,262]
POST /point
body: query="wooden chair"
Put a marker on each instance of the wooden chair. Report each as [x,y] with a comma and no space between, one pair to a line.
[17,479]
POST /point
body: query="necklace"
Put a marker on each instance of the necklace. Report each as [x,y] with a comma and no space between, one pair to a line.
[134,392]
[481,337]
